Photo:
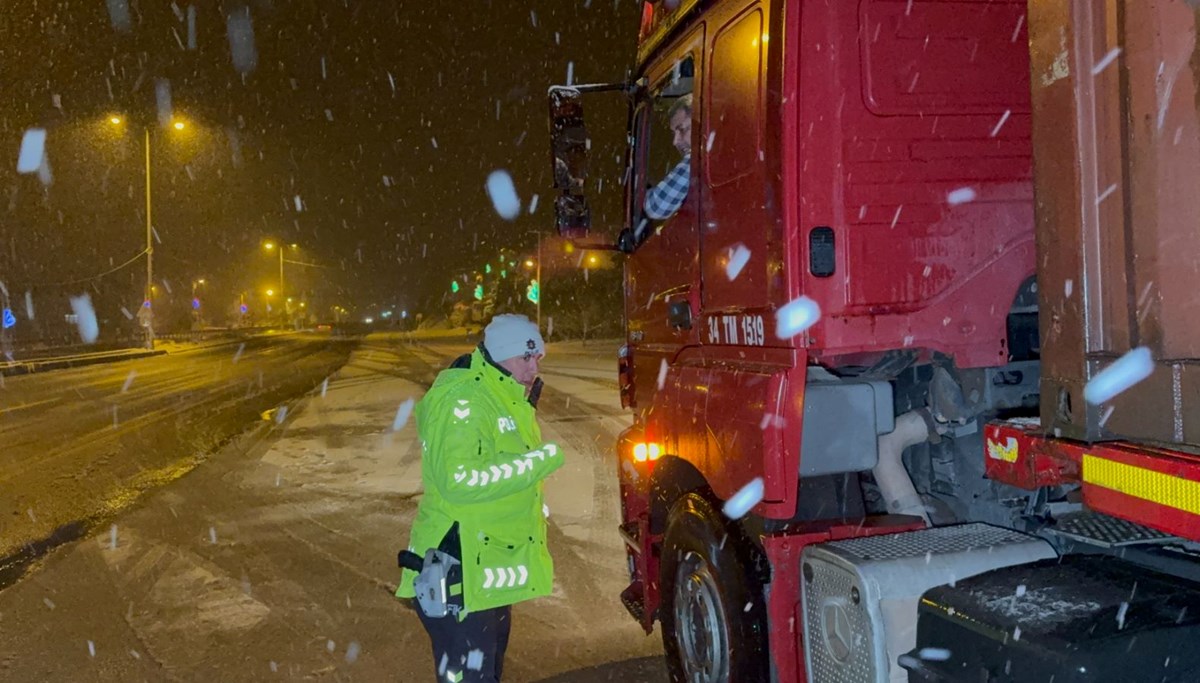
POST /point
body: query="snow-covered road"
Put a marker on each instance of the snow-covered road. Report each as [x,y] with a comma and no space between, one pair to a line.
[277,556]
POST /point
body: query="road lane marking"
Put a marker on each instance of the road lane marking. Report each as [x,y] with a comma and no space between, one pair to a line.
[24,406]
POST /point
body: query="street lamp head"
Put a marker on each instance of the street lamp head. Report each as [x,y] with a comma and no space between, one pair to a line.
[115,120]
[179,125]
[270,292]
[268,245]
[529,263]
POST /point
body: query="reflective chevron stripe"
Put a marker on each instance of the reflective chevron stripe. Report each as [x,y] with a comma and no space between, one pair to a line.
[505,577]
[494,473]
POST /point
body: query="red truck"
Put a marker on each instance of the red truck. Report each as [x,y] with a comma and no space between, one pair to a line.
[877,253]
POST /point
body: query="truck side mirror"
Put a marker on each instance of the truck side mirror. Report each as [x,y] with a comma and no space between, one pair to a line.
[569,155]
[572,215]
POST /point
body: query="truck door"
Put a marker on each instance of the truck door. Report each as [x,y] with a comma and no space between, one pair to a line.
[740,228]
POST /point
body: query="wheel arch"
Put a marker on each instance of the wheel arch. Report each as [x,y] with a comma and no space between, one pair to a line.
[672,479]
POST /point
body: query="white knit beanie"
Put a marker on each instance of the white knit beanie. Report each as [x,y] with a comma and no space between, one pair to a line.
[509,336]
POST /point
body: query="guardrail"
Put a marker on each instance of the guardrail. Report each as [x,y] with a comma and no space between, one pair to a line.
[30,366]
[52,358]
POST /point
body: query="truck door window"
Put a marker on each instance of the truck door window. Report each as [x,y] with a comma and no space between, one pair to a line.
[668,169]
[735,100]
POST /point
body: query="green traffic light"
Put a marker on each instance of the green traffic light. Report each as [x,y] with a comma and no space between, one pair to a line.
[454,286]
[479,292]
[532,292]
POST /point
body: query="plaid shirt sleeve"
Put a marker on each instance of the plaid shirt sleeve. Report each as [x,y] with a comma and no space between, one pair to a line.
[665,198]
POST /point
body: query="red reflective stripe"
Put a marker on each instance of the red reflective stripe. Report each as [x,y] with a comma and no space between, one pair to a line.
[1154,515]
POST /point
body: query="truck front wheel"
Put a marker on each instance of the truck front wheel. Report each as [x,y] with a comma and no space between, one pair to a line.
[713,614]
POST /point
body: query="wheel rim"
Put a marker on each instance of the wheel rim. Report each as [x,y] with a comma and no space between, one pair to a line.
[700,626]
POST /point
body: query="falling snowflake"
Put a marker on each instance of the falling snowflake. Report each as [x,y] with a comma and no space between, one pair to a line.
[33,151]
[240,28]
[402,415]
[1106,60]
[745,499]
[85,318]
[739,256]
[962,195]
[796,317]
[118,14]
[934,654]
[475,660]
[1001,122]
[1125,372]
[503,194]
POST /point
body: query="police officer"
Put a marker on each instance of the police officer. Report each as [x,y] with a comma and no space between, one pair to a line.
[482,465]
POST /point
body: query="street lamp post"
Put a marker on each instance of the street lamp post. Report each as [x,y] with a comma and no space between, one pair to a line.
[281,246]
[149,253]
[269,246]
[148,303]
[197,318]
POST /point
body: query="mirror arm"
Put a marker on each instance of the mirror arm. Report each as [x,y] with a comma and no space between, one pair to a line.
[595,87]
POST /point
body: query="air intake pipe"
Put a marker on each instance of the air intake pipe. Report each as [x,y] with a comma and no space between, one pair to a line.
[899,494]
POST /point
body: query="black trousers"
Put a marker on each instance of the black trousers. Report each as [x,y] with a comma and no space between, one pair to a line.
[473,647]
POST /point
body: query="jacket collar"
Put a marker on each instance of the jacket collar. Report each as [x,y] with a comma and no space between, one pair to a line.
[482,362]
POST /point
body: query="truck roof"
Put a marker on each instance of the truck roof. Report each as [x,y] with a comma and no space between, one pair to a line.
[659,19]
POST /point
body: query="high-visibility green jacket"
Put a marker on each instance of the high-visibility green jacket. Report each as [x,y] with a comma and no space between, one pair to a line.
[482,465]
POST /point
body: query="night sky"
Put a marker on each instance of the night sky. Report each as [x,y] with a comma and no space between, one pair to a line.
[383,118]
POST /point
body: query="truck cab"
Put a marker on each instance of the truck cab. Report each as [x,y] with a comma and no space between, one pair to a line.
[831,290]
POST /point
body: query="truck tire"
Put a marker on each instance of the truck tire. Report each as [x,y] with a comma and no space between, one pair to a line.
[713,613]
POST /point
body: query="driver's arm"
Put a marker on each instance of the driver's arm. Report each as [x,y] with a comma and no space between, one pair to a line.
[665,198]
